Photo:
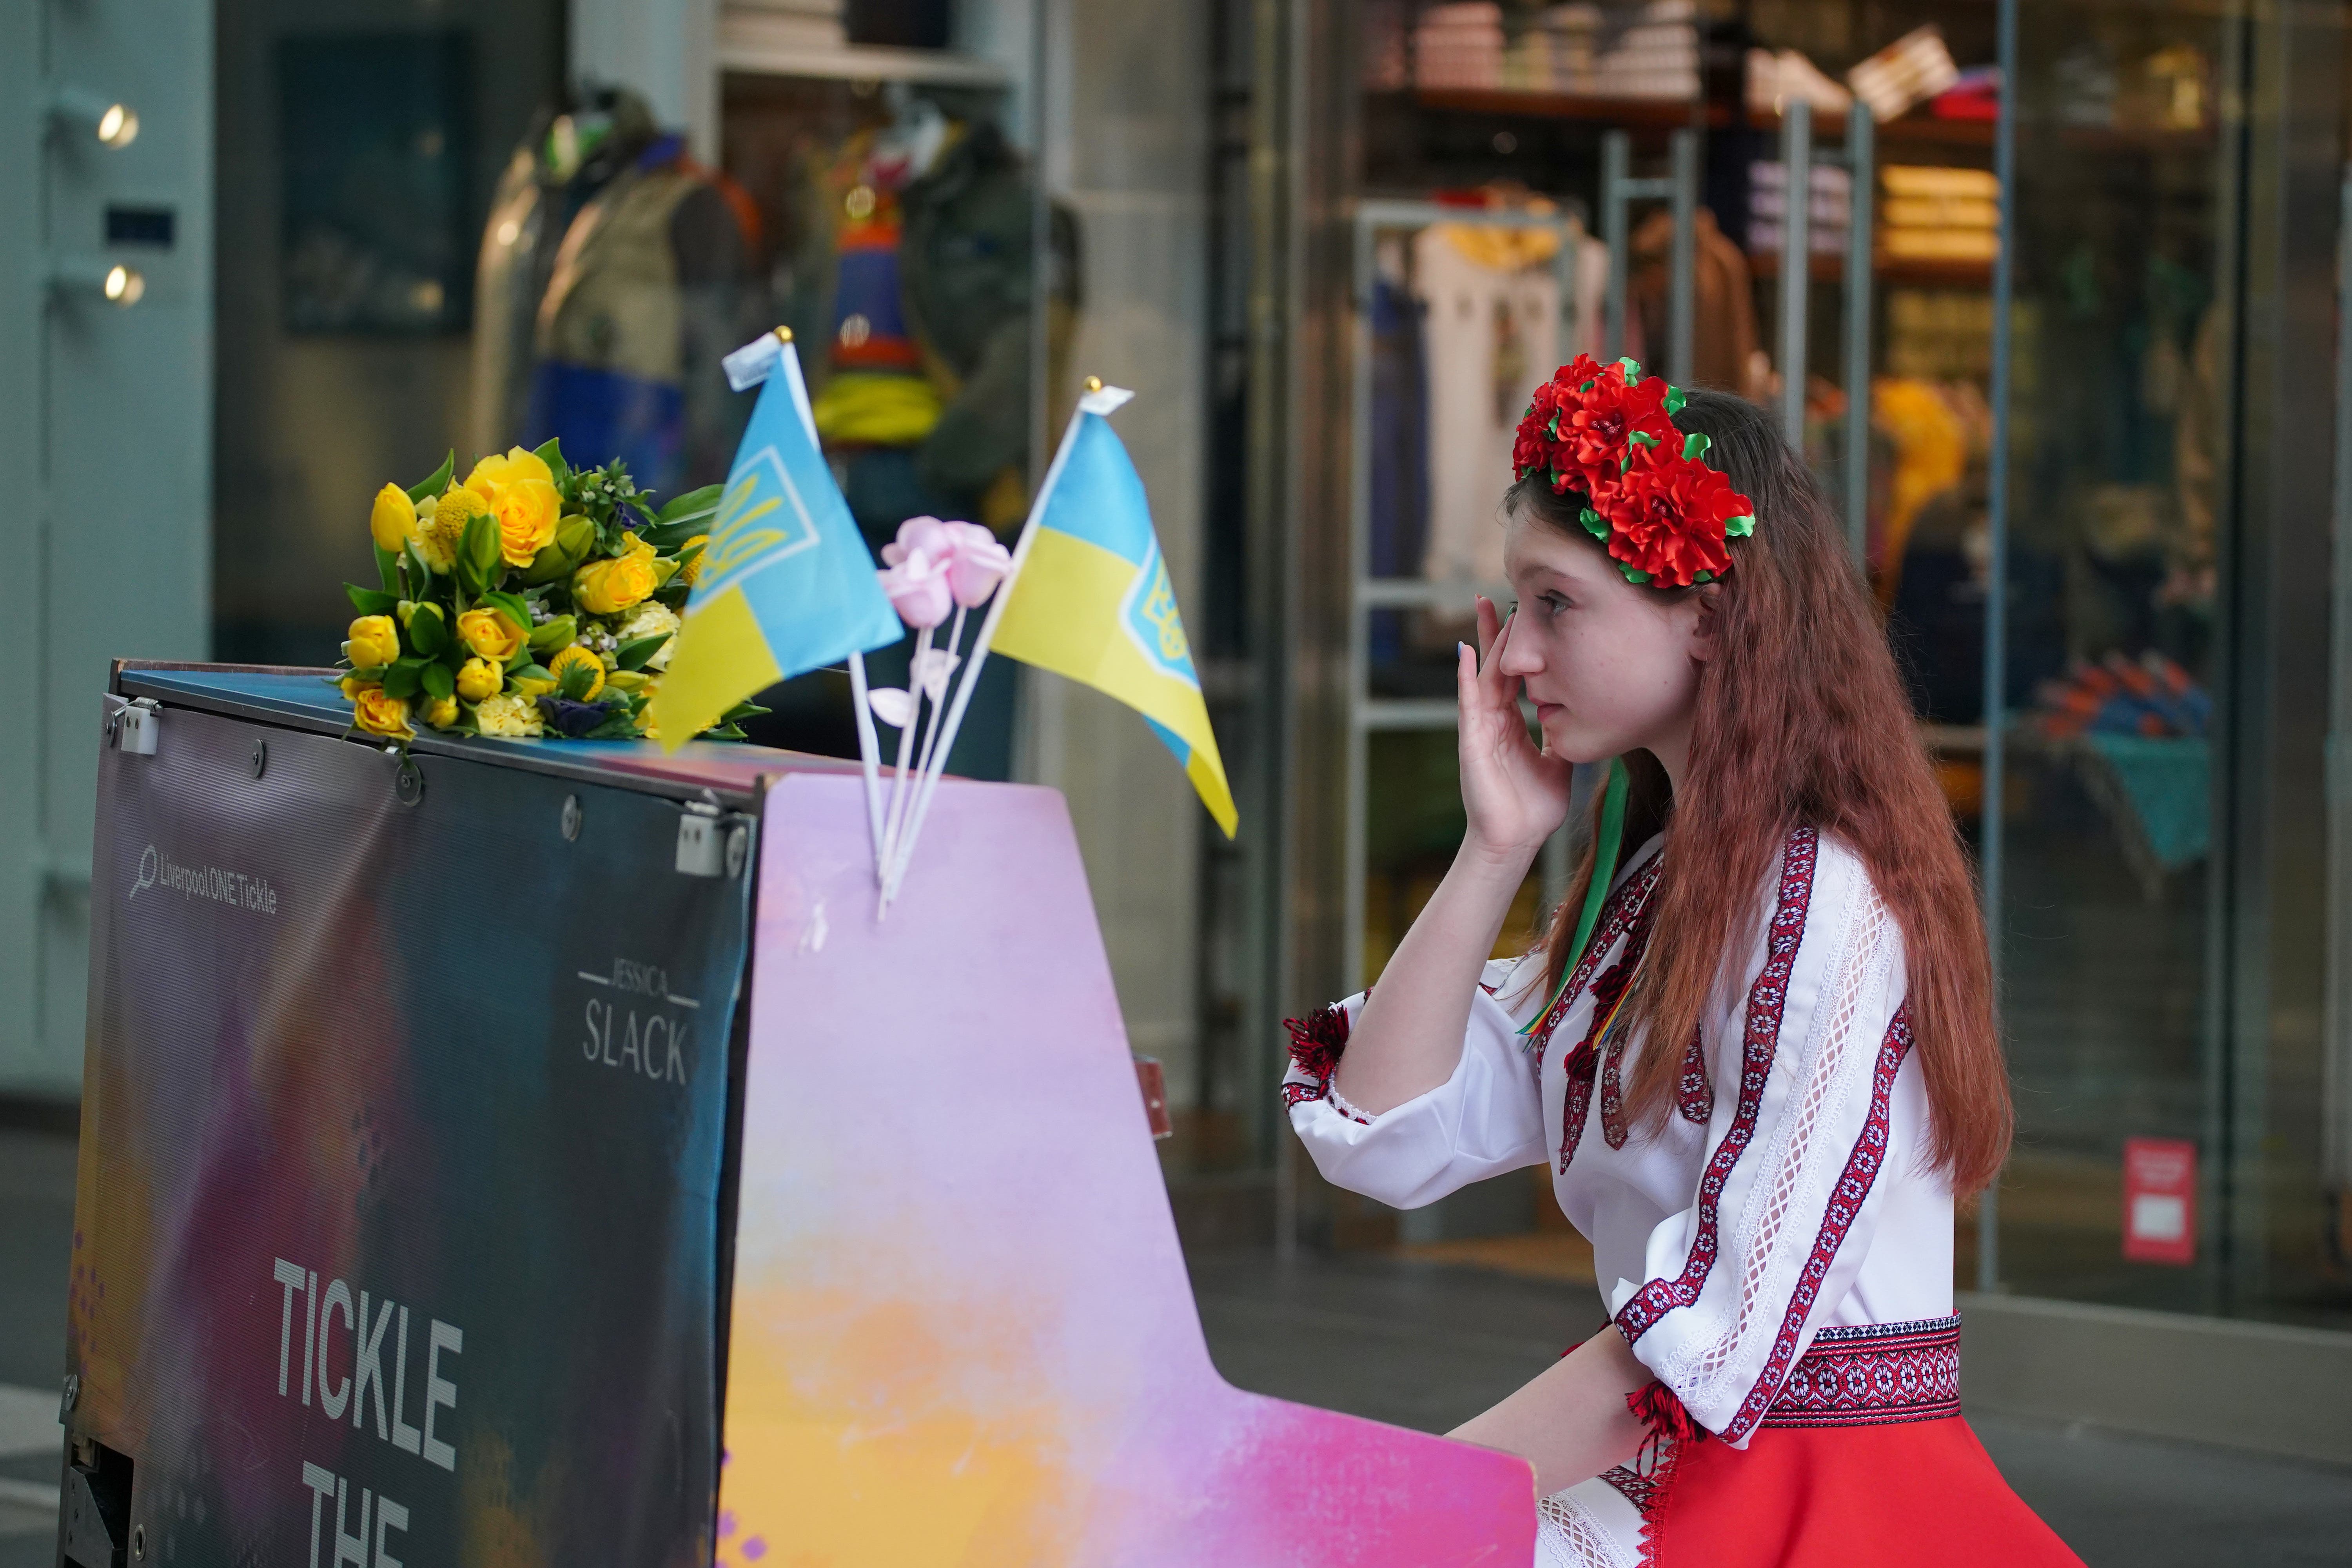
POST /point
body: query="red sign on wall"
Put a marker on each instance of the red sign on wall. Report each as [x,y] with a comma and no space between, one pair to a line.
[2159,1200]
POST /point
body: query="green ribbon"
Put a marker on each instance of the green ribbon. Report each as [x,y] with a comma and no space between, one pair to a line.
[1604,871]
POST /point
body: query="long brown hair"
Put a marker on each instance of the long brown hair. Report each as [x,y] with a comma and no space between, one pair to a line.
[1801,719]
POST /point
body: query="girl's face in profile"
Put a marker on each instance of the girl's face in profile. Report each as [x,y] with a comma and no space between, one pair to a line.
[1610,665]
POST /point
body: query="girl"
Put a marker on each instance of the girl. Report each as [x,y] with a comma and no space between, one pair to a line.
[1756,1046]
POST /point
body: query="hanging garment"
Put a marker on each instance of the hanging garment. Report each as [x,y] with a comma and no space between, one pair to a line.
[1723,299]
[1777,1252]
[1490,298]
[1399,438]
[608,295]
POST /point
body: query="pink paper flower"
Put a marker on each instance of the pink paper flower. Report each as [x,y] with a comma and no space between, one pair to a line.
[926,534]
[917,587]
[977,564]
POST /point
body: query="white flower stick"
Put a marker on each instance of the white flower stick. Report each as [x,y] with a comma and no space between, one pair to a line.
[869,758]
[931,730]
[898,791]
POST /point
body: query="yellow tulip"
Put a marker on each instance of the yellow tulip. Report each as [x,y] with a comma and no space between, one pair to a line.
[441,713]
[375,642]
[381,715]
[478,679]
[393,517]
[491,634]
[520,491]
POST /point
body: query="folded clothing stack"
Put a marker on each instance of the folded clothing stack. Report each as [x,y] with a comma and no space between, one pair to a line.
[1648,51]
[1459,46]
[1905,73]
[1939,214]
[1831,209]
[1776,80]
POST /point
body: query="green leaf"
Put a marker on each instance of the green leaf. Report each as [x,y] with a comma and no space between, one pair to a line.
[416,577]
[575,681]
[1645,437]
[552,454]
[437,682]
[1676,399]
[693,506]
[1695,446]
[1594,525]
[530,669]
[670,535]
[481,546]
[742,711]
[428,632]
[1740,528]
[519,660]
[438,482]
[724,733]
[369,602]
[633,654]
[388,569]
[512,607]
[1632,369]
[370,672]
[402,680]
[556,634]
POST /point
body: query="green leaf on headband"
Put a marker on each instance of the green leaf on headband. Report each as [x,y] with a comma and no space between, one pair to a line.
[1695,446]
[1702,577]
[1646,439]
[1633,576]
[1633,369]
[1594,525]
[1740,528]
[1676,398]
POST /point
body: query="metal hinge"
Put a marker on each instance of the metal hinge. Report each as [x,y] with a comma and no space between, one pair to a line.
[710,844]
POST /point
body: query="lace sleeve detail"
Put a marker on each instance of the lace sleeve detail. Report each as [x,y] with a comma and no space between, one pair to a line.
[1782,1217]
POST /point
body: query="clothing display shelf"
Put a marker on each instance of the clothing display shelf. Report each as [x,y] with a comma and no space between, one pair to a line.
[1367,713]
[1798,153]
[753,44]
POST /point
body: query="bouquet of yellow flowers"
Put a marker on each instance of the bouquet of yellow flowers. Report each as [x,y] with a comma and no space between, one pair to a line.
[532,599]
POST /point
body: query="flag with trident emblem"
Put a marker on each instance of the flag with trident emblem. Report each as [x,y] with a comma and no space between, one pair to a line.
[786,583]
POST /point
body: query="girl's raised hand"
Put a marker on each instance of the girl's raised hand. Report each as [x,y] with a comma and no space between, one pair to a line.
[1514,793]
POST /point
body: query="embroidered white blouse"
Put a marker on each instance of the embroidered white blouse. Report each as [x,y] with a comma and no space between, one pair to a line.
[1789,1191]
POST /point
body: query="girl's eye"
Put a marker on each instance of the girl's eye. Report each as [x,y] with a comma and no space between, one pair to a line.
[1551,604]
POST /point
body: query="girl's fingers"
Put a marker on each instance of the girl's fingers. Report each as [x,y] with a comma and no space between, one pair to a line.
[1498,685]
[1489,627]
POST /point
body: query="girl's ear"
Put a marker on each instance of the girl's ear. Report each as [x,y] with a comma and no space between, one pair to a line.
[1706,607]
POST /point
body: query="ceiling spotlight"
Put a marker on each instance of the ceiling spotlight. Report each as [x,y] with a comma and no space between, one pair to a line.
[112,121]
[110,280]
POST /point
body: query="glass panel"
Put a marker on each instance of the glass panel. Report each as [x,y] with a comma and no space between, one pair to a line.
[2162,713]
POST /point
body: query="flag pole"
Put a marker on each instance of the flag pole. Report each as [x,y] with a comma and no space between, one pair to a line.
[868,749]
[980,646]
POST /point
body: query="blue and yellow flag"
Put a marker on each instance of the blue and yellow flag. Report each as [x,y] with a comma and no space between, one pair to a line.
[1093,601]
[786,584]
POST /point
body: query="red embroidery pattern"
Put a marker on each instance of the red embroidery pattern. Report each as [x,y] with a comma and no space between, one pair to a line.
[1874,1374]
[1854,1184]
[1607,991]
[1766,999]
[1631,898]
[1316,1043]
[1694,1096]
[1580,1065]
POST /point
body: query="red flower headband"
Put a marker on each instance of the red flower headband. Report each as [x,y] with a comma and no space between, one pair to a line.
[1608,433]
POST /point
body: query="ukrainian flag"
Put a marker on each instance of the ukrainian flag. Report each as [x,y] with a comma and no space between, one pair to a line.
[1091,598]
[786,583]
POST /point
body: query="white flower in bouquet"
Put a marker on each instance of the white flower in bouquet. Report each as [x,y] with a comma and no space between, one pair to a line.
[651,619]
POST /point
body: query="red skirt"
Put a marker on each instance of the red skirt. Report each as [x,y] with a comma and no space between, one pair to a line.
[1862,1461]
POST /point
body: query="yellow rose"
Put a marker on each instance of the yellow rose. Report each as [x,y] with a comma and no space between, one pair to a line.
[491,634]
[392,518]
[693,548]
[441,713]
[519,490]
[507,714]
[375,642]
[480,678]
[380,715]
[353,686]
[608,587]
[577,657]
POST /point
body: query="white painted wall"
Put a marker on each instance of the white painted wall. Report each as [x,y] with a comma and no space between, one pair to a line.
[667,49]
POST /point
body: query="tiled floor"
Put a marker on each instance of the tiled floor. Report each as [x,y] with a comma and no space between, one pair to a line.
[1418,1343]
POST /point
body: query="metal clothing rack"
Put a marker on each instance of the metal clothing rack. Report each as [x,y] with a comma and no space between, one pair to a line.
[1367,713]
[1859,157]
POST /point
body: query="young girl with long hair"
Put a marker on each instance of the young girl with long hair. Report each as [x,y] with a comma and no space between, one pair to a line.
[1756,1046]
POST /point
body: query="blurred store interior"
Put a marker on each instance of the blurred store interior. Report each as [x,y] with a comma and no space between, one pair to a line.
[1332,245]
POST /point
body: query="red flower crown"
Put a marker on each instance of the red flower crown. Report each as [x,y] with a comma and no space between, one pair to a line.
[1607,432]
